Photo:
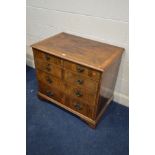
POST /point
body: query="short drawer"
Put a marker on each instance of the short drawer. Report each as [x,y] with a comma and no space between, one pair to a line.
[49,68]
[80,81]
[51,92]
[79,106]
[81,94]
[50,80]
[39,55]
[82,70]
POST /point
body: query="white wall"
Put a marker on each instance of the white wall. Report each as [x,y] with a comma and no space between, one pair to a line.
[102,20]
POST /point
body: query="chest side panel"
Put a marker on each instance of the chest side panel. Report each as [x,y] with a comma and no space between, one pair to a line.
[107,85]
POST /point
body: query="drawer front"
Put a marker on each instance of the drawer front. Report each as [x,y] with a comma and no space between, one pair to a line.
[82,70]
[79,106]
[38,55]
[49,68]
[51,92]
[81,94]
[50,80]
[80,81]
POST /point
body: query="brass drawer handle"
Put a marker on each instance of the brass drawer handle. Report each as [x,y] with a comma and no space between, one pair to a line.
[78,94]
[77,106]
[80,69]
[48,67]
[49,93]
[47,57]
[79,81]
[49,80]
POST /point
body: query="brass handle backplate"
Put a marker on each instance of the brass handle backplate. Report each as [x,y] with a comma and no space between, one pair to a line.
[49,93]
[78,106]
[78,94]
[49,80]
[47,57]
[80,69]
[48,68]
[80,81]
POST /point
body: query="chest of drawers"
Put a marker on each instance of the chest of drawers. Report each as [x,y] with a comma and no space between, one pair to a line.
[77,74]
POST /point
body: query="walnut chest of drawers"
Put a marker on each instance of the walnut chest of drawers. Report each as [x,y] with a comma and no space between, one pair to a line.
[77,74]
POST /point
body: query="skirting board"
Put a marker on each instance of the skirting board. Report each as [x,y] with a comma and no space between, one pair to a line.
[30,62]
[118,97]
[121,99]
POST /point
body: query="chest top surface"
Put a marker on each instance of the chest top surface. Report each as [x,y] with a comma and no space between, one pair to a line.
[80,50]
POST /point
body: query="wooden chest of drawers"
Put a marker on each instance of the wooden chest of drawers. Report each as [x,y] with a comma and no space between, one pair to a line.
[77,74]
